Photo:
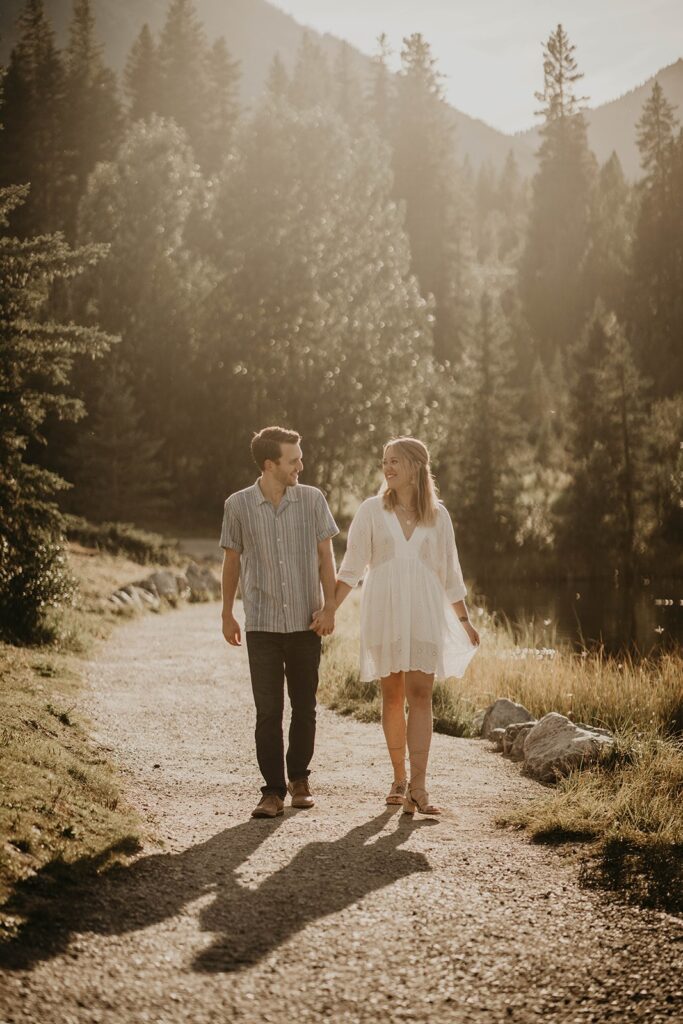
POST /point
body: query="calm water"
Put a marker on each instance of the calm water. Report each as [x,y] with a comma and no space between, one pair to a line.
[645,617]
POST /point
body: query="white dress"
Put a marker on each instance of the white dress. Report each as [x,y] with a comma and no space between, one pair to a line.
[407,622]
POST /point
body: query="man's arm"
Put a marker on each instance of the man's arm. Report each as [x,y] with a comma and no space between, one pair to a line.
[229,580]
[323,620]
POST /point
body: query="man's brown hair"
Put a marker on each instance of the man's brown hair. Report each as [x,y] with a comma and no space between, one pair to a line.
[266,443]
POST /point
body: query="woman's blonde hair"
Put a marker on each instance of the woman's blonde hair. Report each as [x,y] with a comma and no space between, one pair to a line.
[416,454]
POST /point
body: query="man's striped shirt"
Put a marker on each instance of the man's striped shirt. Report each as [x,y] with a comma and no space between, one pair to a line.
[279,569]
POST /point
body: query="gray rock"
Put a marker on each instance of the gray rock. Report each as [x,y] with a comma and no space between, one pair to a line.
[496,737]
[184,590]
[147,599]
[478,720]
[503,713]
[204,586]
[511,734]
[516,751]
[124,601]
[164,584]
[555,746]
[134,593]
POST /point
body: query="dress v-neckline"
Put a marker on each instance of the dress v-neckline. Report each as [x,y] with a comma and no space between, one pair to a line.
[406,540]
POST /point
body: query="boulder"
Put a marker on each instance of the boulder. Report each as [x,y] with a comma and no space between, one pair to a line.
[134,593]
[478,720]
[163,584]
[496,737]
[145,598]
[555,746]
[516,751]
[511,735]
[202,583]
[503,713]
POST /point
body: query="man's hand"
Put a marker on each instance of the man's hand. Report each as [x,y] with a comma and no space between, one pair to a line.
[323,621]
[232,631]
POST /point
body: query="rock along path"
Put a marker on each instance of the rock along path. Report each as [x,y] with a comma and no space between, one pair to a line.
[349,912]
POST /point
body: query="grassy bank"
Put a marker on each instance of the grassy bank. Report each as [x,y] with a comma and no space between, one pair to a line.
[60,799]
[629,807]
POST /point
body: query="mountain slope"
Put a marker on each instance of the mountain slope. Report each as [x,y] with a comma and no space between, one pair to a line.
[255,31]
[612,126]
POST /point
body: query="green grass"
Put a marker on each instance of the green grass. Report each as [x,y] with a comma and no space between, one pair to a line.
[629,807]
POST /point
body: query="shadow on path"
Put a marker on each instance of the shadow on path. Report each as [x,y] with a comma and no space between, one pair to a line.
[322,878]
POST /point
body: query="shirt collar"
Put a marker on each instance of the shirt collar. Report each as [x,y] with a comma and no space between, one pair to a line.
[289,495]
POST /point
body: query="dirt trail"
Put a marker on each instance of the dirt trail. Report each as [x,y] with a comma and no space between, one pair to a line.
[348,912]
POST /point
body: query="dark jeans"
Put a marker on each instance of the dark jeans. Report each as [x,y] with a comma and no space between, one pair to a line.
[274,657]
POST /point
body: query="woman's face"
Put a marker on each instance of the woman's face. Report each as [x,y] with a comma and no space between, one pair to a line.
[396,469]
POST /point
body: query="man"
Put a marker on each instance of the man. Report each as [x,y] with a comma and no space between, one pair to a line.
[278,535]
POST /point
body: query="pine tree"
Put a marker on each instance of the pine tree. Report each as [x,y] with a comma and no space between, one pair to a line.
[346,90]
[142,77]
[32,150]
[485,209]
[654,288]
[114,464]
[221,109]
[311,82]
[664,477]
[315,319]
[151,285]
[277,83]
[609,254]
[427,181]
[381,96]
[513,203]
[478,466]
[92,113]
[552,281]
[655,132]
[182,55]
[36,360]
[599,515]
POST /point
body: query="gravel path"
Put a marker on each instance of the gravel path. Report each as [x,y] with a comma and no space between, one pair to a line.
[348,912]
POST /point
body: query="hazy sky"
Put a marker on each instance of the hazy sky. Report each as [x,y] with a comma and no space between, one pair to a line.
[490,50]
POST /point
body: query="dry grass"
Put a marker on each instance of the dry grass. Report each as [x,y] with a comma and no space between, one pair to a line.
[630,805]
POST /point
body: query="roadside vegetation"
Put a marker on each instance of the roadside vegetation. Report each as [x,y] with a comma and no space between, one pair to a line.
[60,799]
[628,807]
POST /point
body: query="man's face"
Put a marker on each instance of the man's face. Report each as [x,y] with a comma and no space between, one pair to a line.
[286,470]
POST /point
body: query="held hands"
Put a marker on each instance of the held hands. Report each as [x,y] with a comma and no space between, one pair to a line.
[231,631]
[323,621]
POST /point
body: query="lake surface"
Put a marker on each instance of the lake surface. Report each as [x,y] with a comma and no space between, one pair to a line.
[643,618]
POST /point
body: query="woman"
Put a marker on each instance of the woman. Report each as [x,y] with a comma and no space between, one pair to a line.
[414,622]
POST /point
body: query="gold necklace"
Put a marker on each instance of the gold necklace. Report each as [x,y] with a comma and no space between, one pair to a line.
[407,511]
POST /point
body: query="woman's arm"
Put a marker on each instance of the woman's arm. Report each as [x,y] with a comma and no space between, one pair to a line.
[341,592]
[460,609]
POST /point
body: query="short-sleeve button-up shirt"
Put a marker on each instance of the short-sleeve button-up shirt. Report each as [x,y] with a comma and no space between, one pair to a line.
[279,569]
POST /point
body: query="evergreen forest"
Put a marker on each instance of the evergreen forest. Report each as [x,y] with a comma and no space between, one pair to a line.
[177,271]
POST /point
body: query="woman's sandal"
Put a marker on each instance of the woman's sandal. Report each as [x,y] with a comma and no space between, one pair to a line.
[418,800]
[397,793]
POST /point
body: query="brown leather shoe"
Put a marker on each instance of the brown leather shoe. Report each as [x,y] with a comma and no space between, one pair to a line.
[269,806]
[301,793]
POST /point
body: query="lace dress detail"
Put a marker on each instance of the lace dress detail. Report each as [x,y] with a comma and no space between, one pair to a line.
[407,622]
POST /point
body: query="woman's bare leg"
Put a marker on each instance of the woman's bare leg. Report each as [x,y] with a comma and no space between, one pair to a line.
[419,732]
[394,721]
